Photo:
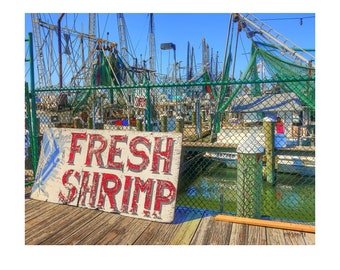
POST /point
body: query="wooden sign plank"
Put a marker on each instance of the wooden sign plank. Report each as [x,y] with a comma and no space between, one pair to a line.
[126,172]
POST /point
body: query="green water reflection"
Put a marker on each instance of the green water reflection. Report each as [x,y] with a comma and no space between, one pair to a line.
[292,198]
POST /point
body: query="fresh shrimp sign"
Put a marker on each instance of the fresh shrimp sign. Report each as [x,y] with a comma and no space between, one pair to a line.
[126,172]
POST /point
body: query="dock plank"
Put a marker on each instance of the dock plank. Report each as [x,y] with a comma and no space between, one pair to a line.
[238,234]
[166,234]
[211,232]
[275,236]
[124,232]
[151,235]
[52,223]
[133,232]
[256,235]
[200,238]
[309,238]
[55,224]
[73,237]
[185,233]
[67,230]
[293,238]
[97,235]
[158,234]
[43,219]
[34,209]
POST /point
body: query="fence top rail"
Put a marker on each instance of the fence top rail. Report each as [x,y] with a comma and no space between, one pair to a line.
[183,84]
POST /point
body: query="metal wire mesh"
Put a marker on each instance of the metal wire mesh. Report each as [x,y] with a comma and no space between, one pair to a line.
[239,160]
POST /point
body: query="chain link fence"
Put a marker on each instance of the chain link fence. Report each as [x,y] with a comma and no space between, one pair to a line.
[243,154]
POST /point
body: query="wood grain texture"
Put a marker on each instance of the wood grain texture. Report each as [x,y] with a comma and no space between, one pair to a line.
[55,224]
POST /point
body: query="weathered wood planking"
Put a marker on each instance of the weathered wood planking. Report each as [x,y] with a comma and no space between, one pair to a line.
[309,238]
[239,234]
[275,237]
[187,230]
[294,238]
[156,235]
[70,226]
[124,232]
[54,224]
[96,235]
[256,235]
[211,232]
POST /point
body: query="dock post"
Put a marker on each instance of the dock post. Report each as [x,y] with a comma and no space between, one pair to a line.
[211,119]
[90,123]
[268,129]
[99,125]
[203,116]
[77,122]
[193,118]
[249,178]
[139,123]
[179,124]
[164,123]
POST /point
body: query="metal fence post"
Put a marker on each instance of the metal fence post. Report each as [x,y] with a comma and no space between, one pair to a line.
[148,110]
[33,112]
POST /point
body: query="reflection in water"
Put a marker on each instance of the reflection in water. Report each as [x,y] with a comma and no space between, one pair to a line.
[292,198]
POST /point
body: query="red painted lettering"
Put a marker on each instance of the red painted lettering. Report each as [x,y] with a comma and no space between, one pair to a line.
[133,149]
[126,194]
[113,151]
[94,189]
[143,187]
[110,192]
[74,147]
[71,189]
[166,155]
[86,189]
[160,198]
[96,152]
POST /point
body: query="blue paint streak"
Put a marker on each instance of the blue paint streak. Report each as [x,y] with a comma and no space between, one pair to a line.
[52,158]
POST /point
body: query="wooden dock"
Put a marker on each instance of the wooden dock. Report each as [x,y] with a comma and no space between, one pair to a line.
[55,224]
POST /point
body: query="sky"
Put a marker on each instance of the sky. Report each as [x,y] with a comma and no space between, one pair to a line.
[181,28]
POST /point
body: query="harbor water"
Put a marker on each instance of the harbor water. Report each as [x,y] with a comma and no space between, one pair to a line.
[292,198]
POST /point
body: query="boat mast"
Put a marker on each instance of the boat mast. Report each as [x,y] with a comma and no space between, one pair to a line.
[152,48]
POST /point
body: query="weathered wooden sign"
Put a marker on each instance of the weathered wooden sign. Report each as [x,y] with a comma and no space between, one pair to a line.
[126,172]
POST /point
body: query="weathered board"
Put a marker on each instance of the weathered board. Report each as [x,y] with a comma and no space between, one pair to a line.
[126,172]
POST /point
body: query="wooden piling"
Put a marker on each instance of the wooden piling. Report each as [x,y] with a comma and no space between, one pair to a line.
[139,123]
[164,123]
[249,178]
[193,118]
[269,128]
[90,123]
[77,123]
[179,124]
